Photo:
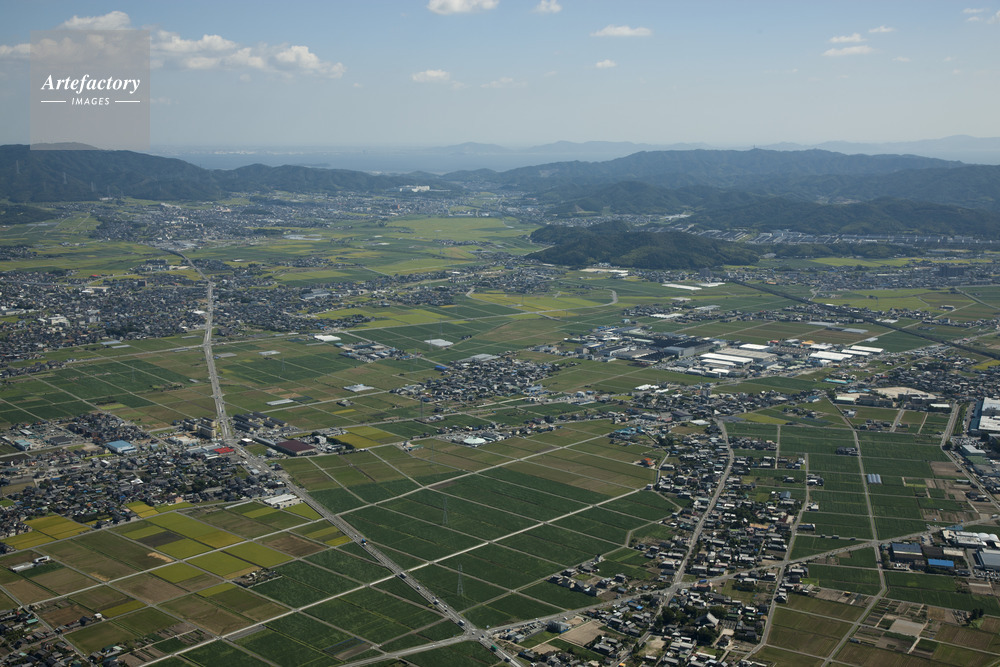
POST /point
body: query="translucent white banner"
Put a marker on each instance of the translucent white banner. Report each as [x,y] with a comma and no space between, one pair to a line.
[90,90]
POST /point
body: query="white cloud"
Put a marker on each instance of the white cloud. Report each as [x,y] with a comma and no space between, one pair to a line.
[300,58]
[202,62]
[882,28]
[216,52]
[15,52]
[970,10]
[861,50]
[504,82]
[171,42]
[461,6]
[621,31]
[208,52]
[547,7]
[246,58]
[432,76]
[995,18]
[973,19]
[606,64]
[847,39]
[116,20]
[900,59]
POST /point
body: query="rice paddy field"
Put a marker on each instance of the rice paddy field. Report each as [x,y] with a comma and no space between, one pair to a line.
[154,382]
[483,527]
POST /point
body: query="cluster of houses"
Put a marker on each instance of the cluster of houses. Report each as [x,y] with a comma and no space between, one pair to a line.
[920,274]
[483,376]
[528,279]
[30,642]
[701,467]
[101,427]
[701,614]
[51,311]
[567,579]
[100,488]
[739,532]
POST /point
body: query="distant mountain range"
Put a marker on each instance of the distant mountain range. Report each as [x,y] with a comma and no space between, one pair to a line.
[974,150]
[72,175]
[405,159]
[703,167]
[811,176]
[812,190]
[963,148]
[472,155]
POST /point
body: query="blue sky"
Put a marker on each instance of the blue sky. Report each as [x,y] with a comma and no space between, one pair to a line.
[522,72]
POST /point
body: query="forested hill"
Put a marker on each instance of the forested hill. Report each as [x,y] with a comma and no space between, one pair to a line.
[970,186]
[811,175]
[703,167]
[713,208]
[633,197]
[617,244]
[71,175]
[881,216]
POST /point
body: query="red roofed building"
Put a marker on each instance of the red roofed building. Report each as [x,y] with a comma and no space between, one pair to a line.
[223,450]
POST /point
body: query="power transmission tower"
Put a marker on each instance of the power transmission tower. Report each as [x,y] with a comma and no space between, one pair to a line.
[461,589]
[444,520]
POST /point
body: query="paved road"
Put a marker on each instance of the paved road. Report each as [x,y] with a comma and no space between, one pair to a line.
[221,418]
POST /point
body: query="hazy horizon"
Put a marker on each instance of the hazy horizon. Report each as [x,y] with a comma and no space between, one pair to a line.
[477,155]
